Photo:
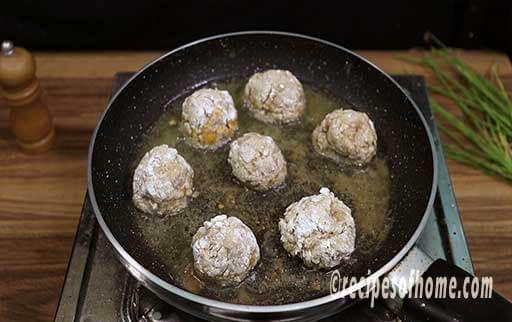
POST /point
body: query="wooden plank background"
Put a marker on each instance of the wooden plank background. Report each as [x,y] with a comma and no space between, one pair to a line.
[41,196]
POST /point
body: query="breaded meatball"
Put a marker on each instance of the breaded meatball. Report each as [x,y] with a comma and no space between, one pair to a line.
[274,96]
[347,137]
[257,161]
[225,251]
[209,118]
[162,182]
[319,229]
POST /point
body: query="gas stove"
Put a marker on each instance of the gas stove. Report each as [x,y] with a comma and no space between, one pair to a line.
[98,288]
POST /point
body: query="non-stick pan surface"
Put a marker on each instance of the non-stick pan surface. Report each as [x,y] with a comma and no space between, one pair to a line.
[403,138]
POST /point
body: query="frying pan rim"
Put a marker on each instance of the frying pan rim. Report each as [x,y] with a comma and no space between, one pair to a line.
[152,280]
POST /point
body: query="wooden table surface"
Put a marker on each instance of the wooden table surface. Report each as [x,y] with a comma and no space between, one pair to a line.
[41,196]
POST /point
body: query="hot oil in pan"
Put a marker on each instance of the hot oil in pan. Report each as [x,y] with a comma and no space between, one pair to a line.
[278,278]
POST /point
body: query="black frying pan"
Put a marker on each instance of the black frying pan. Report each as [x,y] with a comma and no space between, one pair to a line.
[403,137]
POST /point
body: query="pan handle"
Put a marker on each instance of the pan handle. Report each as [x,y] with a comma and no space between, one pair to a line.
[461,304]
[444,292]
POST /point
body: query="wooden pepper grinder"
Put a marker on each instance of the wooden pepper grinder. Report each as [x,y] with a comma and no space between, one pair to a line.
[30,120]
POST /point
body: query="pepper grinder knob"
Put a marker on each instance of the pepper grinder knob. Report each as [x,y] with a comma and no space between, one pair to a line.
[30,119]
[7,47]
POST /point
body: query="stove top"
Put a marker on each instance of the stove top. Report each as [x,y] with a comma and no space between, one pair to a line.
[98,288]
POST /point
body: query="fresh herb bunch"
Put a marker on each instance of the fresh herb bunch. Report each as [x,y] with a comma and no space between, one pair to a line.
[482,138]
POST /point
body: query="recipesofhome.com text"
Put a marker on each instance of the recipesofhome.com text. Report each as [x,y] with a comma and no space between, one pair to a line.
[424,287]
